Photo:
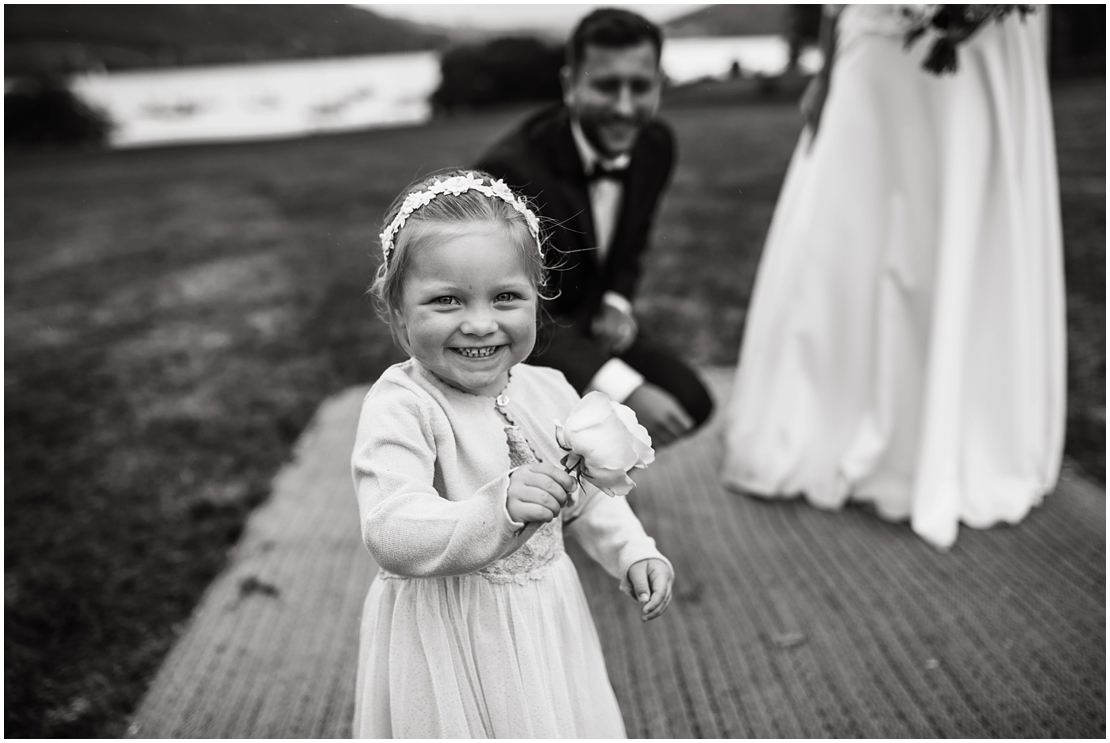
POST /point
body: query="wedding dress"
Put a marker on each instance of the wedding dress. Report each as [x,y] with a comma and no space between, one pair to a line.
[905,344]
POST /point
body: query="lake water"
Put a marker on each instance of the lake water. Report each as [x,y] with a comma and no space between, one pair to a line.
[285,99]
[264,100]
[686,60]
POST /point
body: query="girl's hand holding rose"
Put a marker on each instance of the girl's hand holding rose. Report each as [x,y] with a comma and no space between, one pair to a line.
[538,492]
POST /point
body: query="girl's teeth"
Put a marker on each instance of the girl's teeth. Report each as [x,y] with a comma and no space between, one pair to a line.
[477,353]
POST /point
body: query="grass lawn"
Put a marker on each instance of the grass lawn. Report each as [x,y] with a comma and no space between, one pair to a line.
[174,316]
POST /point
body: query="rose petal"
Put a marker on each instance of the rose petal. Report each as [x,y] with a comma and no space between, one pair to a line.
[590,409]
[560,437]
[641,438]
[612,482]
[593,430]
[606,444]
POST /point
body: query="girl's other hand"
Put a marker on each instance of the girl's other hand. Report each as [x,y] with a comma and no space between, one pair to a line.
[538,492]
[651,581]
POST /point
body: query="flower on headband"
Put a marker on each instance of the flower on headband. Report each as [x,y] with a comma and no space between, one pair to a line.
[502,190]
[533,223]
[456,186]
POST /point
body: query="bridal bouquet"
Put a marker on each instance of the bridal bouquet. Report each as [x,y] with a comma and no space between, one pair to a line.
[604,442]
[954,24]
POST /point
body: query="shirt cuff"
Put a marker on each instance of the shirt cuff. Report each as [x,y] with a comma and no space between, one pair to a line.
[618,302]
[616,379]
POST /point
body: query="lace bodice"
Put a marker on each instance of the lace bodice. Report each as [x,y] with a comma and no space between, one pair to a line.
[544,545]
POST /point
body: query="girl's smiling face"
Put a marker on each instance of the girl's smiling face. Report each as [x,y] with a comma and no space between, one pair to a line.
[468,310]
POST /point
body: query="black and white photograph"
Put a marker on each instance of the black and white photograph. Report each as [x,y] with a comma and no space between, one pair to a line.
[555,371]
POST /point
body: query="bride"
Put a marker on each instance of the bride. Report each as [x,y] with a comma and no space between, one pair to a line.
[905,345]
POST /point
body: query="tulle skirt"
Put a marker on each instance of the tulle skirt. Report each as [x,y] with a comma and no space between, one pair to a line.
[478,656]
[906,339]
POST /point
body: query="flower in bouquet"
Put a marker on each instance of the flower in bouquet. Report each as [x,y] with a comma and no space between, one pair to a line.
[953,25]
[604,442]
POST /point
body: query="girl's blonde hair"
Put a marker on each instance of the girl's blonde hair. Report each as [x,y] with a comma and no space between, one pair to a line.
[429,220]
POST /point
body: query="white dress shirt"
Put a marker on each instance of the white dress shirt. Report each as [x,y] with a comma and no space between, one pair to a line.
[615,377]
[605,193]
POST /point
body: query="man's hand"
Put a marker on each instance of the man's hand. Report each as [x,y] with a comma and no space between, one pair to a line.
[651,581]
[614,328]
[538,492]
[660,413]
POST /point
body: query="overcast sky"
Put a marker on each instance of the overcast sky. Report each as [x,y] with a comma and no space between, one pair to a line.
[551,17]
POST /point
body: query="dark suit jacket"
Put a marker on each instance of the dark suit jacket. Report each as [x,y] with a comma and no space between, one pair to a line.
[540,160]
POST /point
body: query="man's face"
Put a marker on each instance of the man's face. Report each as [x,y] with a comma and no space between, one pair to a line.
[614,93]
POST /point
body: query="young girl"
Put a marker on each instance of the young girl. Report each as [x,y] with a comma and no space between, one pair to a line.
[476,624]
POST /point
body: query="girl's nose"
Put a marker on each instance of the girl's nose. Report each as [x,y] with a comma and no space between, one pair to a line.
[479,322]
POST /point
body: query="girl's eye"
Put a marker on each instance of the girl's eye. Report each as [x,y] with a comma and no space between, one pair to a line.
[505,297]
[445,301]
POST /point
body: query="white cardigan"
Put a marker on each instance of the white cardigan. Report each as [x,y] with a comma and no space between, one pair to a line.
[431,471]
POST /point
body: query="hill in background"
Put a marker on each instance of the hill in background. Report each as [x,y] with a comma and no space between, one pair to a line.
[732,20]
[63,39]
[74,38]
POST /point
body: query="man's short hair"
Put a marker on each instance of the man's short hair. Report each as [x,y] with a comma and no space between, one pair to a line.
[612,27]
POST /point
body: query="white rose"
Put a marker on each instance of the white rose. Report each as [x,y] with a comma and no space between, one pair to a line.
[605,441]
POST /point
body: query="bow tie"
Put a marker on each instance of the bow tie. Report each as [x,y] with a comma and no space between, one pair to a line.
[601,171]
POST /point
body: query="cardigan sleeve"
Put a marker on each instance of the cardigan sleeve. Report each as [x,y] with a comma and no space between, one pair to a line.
[611,534]
[408,527]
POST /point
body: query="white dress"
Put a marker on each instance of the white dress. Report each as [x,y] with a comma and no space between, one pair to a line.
[508,652]
[905,343]
[477,626]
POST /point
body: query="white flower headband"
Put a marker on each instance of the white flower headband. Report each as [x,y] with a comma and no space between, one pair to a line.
[455,185]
